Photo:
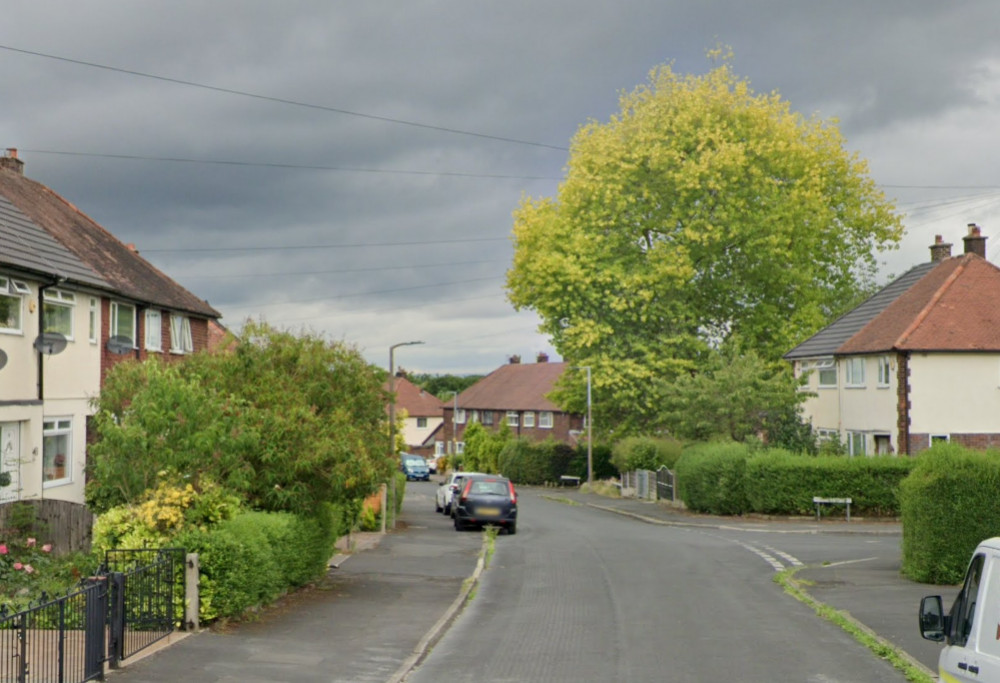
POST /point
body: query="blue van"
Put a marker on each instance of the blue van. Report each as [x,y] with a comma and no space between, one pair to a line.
[414,467]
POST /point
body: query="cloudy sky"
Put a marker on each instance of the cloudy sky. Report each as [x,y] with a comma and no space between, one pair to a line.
[351,167]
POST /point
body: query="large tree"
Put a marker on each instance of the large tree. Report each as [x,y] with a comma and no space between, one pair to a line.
[701,214]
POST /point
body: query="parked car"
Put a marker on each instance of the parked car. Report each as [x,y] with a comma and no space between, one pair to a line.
[447,489]
[414,467]
[969,630]
[486,499]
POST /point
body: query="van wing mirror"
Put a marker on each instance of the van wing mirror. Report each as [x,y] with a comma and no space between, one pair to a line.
[932,619]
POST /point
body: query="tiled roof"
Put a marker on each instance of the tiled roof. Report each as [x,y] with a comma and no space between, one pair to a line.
[514,386]
[416,401]
[950,305]
[124,271]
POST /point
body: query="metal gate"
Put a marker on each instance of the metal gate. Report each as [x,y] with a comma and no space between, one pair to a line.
[146,595]
[665,485]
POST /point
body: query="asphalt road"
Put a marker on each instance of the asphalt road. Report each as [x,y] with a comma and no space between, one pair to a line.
[582,595]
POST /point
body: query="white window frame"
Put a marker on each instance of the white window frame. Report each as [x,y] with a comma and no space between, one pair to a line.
[825,367]
[117,309]
[857,443]
[15,290]
[884,371]
[545,419]
[154,330]
[529,418]
[473,416]
[421,423]
[180,334]
[854,372]
[827,435]
[57,428]
[63,301]
[459,447]
[460,416]
[513,418]
[936,438]
[94,328]
[487,416]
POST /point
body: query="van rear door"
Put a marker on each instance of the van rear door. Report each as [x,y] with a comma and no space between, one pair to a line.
[973,649]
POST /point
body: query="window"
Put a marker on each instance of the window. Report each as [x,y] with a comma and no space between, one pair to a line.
[939,438]
[965,604]
[529,419]
[421,423]
[439,448]
[474,416]
[93,321]
[154,330]
[487,417]
[512,418]
[460,447]
[827,372]
[855,372]
[11,293]
[180,334]
[545,419]
[827,435]
[56,449]
[57,311]
[883,371]
[460,416]
[123,321]
[856,443]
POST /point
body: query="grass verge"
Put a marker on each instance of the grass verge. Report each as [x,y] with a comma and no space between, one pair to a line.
[879,646]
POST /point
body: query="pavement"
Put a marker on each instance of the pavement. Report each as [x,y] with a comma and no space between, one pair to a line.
[381,608]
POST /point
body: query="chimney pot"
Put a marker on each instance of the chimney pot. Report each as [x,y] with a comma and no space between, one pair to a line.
[514,360]
[542,357]
[10,161]
[975,243]
[940,250]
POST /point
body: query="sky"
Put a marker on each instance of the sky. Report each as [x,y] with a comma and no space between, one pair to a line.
[350,169]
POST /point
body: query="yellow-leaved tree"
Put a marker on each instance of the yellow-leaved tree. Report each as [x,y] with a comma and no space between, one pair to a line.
[701,215]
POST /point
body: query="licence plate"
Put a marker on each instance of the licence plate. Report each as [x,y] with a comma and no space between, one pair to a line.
[488,512]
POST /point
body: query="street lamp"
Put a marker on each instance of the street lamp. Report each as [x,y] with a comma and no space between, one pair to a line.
[454,423]
[590,427]
[392,424]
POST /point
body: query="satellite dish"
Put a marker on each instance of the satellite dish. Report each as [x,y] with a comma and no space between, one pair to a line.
[120,345]
[50,343]
[3,359]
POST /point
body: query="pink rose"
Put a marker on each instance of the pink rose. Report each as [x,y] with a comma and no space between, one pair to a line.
[28,569]
[47,548]
[31,543]
[3,549]
[18,566]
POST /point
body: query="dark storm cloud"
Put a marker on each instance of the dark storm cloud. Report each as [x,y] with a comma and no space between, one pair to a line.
[376,232]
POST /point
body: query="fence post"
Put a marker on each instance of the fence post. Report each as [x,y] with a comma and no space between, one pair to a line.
[116,648]
[191,596]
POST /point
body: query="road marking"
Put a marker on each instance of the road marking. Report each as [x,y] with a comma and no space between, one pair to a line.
[785,556]
[837,564]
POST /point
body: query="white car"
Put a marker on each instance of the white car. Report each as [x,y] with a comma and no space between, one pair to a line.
[447,489]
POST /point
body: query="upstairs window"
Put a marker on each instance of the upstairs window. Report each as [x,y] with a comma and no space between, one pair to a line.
[883,371]
[12,293]
[826,370]
[460,416]
[487,416]
[154,330]
[513,418]
[421,423]
[122,323]
[529,419]
[57,311]
[855,372]
[545,419]
[180,334]
[94,329]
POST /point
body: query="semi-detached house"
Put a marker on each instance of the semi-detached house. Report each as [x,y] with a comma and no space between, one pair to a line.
[916,363]
[74,301]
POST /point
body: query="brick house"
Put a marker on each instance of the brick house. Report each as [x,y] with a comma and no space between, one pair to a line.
[422,416]
[916,363]
[514,394]
[74,301]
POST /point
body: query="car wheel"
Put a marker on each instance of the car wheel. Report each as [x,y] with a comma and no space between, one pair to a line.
[447,508]
[511,528]
[458,525]
[437,506]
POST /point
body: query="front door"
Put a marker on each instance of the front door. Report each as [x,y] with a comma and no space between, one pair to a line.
[10,459]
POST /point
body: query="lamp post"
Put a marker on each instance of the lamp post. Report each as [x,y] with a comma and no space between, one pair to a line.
[454,423]
[590,427]
[392,426]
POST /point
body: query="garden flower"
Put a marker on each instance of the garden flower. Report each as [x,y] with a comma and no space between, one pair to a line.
[18,566]
[31,542]
[3,549]
[28,569]
[47,548]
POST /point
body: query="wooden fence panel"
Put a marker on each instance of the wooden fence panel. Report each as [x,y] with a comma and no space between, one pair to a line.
[67,526]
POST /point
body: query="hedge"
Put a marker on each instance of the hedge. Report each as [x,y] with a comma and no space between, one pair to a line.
[949,505]
[711,478]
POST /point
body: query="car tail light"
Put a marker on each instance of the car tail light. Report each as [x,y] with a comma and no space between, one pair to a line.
[513,494]
[465,490]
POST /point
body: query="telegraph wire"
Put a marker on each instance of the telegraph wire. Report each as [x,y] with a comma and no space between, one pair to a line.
[356,245]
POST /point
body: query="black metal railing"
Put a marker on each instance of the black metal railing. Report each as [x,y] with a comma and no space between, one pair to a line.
[135,601]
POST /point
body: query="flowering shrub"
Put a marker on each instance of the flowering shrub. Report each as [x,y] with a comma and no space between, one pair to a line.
[23,566]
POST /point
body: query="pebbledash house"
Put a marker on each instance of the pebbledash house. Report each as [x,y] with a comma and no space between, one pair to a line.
[918,362]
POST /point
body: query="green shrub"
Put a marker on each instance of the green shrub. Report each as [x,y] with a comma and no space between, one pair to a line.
[600,462]
[525,462]
[645,453]
[711,478]
[784,483]
[949,505]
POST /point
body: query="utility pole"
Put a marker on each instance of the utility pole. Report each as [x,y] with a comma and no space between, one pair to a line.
[392,426]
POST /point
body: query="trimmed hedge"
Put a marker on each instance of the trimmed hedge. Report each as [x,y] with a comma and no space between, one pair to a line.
[645,453]
[949,505]
[712,478]
[525,462]
[254,558]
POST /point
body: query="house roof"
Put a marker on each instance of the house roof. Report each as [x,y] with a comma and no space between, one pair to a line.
[949,305]
[122,270]
[514,386]
[416,401]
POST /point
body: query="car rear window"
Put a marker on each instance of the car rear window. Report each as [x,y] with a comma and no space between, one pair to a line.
[494,487]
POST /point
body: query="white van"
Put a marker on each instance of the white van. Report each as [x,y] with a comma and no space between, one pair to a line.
[971,629]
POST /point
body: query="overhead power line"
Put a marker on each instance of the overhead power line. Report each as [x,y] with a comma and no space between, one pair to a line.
[325,246]
[281,100]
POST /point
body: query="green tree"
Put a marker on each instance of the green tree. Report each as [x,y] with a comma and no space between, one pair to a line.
[733,396]
[288,422]
[483,447]
[700,213]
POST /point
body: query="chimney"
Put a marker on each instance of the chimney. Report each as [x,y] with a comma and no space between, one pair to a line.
[514,360]
[940,250]
[10,161]
[542,357]
[975,243]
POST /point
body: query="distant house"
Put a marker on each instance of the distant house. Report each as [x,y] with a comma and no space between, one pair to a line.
[916,363]
[423,416]
[514,395]
[74,301]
